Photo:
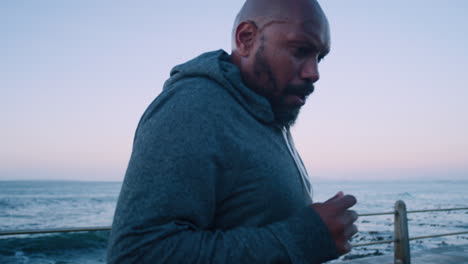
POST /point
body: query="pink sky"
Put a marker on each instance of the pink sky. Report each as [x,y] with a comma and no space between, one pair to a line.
[76,77]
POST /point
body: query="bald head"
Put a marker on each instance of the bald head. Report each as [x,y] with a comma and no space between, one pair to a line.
[277,46]
[266,12]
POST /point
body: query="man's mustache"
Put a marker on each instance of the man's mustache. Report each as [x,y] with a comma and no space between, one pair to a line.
[302,90]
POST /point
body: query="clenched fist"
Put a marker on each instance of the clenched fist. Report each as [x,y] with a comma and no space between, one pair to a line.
[339,220]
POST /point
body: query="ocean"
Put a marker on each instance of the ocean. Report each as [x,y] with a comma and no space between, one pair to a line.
[57,204]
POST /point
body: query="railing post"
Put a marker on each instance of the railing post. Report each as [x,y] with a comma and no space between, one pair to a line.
[402,247]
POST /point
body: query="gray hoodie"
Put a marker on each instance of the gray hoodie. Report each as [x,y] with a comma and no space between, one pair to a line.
[213,179]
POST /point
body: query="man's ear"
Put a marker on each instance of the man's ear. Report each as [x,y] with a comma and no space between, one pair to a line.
[246,34]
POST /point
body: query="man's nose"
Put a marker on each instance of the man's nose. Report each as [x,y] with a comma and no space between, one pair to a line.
[310,70]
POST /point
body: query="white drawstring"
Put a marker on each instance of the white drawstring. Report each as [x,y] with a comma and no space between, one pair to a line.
[300,166]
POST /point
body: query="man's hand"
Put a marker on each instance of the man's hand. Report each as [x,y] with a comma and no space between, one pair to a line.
[339,220]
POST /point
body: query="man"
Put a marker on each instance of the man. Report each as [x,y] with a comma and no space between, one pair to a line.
[214,176]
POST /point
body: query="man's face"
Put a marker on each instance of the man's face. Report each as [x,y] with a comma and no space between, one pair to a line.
[285,65]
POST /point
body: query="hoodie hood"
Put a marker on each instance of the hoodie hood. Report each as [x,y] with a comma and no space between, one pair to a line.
[217,66]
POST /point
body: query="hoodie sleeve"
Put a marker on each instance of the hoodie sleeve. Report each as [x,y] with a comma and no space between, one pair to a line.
[168,200]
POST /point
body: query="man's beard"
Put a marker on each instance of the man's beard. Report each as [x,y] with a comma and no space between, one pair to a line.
[285,115]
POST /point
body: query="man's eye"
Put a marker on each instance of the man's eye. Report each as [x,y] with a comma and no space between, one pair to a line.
[320,58]
[300,52]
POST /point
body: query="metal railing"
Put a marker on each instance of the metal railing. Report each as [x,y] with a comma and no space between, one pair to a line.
[401,237]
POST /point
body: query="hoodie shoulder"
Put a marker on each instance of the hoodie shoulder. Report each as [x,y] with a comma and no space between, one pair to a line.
[192,99]
[210,86]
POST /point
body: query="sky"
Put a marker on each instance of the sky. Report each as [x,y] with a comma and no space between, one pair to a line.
[76,76]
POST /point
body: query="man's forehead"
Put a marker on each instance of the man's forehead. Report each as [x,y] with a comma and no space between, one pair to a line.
[312,31]
[318,29]
[311,25]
